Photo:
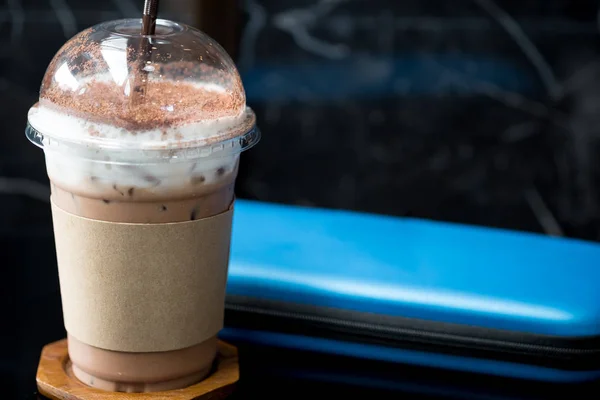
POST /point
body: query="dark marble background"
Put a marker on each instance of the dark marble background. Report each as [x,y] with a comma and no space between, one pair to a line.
[476,111]
[470,111]
[473,111]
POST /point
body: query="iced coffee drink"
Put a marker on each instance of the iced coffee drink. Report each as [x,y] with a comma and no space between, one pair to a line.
[142,138]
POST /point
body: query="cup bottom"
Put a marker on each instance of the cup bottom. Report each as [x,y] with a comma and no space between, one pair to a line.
[132,387]
[141,372]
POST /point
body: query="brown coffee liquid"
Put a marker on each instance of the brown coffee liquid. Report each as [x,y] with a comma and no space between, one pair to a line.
[152,371]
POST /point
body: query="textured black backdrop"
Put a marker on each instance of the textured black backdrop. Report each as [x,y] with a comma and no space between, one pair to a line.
[469,111]
[473,111]
[466,110]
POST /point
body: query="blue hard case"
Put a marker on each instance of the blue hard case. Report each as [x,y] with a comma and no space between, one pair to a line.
[413,291]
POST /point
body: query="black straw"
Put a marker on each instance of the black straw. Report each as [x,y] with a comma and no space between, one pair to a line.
[140,83]
[149,15]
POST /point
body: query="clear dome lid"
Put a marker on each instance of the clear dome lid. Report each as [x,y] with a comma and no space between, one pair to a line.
[111,87]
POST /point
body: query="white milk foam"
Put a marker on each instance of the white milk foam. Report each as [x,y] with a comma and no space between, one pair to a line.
[97,169]
[96,178]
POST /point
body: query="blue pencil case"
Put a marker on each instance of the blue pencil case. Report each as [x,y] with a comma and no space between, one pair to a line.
[412,291]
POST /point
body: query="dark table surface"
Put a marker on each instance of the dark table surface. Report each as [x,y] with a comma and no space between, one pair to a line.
[276,373]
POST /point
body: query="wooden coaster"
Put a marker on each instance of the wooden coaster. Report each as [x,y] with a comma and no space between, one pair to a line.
[55,379]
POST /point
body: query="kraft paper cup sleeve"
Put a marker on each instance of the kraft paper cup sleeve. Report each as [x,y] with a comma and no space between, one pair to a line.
[142,287]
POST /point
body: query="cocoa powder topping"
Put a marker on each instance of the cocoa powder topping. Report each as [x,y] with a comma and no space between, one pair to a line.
[165,104]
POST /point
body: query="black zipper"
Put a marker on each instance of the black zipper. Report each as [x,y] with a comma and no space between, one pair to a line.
[470,341]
